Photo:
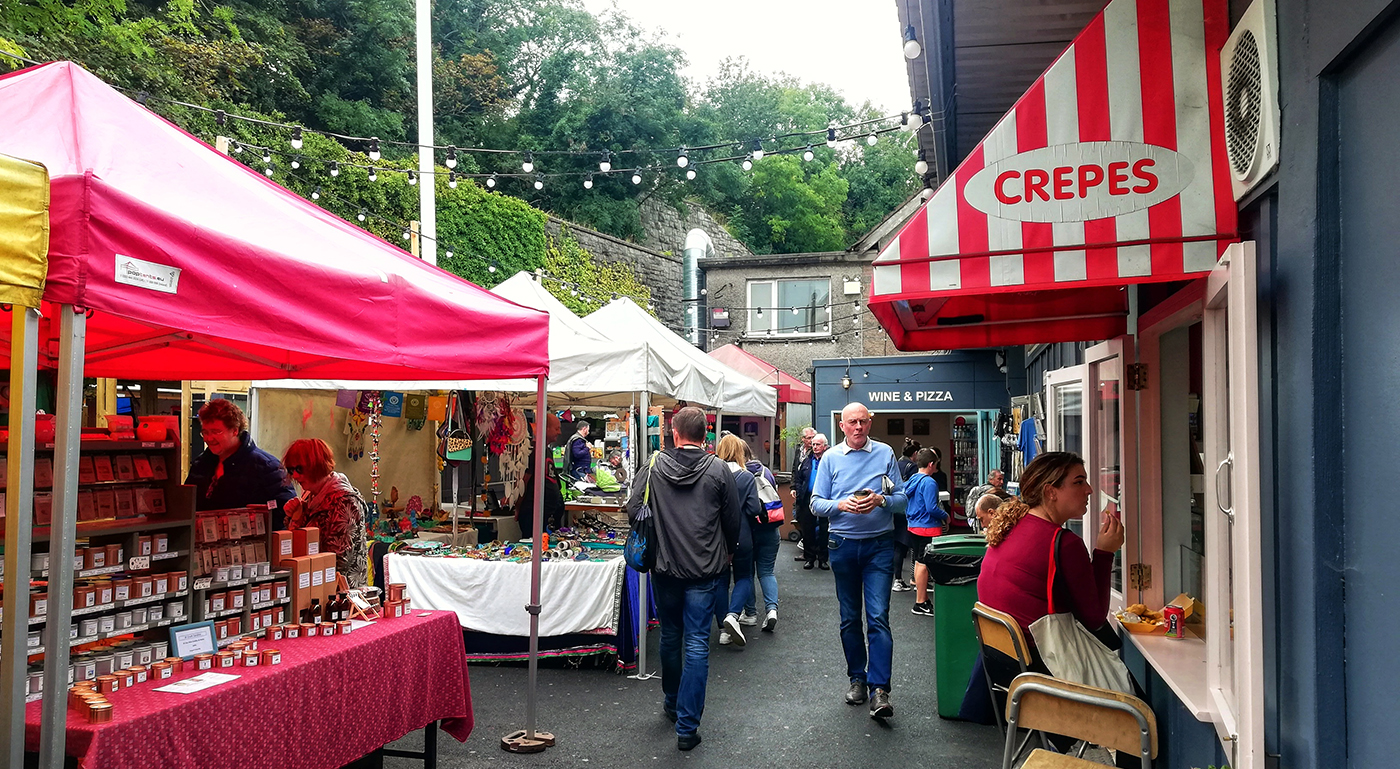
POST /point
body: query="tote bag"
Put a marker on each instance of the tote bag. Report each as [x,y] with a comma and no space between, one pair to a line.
[639,551]
[1069,650]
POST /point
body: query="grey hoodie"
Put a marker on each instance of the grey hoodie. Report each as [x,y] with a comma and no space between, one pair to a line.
[696,510]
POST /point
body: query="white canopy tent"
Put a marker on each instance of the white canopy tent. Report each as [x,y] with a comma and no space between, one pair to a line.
[622,318]
[588,367]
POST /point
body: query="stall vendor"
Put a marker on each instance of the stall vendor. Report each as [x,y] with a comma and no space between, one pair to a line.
[580,455]
[330,504]
[233,472]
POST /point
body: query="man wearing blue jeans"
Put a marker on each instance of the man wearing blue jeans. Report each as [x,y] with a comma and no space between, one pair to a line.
[695,509]
[858,489]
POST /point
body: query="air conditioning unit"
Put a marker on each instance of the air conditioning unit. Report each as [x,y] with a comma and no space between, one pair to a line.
[1249,68]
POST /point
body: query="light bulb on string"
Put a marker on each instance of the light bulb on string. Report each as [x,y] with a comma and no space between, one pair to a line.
[412,179]
[449,254]
[690,173]
[335,168]
[491,182]
[268,171]
[757,150]
[912,49]
[361,215]
[588,181]
[904,123]
[795,311]
[683,159]
[921,165]
[373,173]
[831,138]
[747,165]
[808,154]
[296,138]
[452,179]
[452,157]
[760,312]
[407,234]
[872,138]
[267,156]
[636,177]
[296,162]
[316,194]
[539,181]
[374,148]
[492,267]
[926,193]
[529,164]
[605,165]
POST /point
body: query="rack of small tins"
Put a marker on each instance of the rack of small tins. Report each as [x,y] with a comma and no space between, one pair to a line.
[236,586]
[131,559]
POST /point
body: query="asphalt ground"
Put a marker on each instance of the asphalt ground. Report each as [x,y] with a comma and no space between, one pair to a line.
[777,702]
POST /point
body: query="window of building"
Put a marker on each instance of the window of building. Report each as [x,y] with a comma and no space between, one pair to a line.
[789,307]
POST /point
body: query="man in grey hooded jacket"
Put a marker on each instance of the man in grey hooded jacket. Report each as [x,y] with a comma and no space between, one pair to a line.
[696,512]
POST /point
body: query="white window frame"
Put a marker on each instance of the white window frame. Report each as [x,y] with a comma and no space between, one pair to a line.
[1069,378]
[1122,349]
[771,305]
[1231,371]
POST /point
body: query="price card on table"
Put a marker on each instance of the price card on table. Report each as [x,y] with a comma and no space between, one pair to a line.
[198,683]
[138,562]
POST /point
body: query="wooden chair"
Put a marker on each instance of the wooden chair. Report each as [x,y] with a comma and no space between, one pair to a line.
[997,631]
[1098,716]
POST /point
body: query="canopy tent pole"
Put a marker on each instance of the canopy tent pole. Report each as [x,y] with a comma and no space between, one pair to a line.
[19,533]
[529,740]
[62,535]
[643,448]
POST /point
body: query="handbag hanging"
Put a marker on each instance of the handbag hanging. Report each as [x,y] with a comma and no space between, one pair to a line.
[1070,651]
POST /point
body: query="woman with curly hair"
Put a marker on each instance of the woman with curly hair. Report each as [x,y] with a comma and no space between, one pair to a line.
[1054,489]
[329,503]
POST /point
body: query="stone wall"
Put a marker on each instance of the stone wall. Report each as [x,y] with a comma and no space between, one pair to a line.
[658,271]
[664,229]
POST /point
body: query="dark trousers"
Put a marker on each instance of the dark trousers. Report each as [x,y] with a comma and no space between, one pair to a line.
[814,532]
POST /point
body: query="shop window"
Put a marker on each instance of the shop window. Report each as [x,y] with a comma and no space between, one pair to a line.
[790,307]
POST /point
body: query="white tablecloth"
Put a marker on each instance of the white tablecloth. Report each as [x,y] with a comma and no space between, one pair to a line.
[490,596]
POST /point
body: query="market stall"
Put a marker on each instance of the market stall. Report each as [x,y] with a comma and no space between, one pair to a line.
[168,260]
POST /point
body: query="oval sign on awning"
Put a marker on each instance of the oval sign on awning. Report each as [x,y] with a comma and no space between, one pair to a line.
[1079,182]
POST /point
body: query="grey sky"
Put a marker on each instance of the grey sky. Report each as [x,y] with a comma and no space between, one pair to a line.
[853,46]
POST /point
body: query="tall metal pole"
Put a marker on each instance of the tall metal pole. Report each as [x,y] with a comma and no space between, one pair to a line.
[19,534]
[54,716]
[643,448]
[537,534]
[427,182]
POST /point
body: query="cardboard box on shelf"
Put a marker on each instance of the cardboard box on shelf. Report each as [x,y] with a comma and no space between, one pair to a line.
[325,563]
[282,546]
[306,541]
[300,567]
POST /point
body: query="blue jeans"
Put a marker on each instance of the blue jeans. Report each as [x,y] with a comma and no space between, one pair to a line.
[684,607]
[864,571]
[765,557]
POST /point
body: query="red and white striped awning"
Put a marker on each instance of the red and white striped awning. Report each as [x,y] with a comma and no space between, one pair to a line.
[1110,170]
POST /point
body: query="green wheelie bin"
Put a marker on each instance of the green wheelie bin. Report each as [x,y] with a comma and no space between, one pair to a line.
[953,564]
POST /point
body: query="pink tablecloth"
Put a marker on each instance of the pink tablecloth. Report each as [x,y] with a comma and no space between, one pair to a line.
[331,701]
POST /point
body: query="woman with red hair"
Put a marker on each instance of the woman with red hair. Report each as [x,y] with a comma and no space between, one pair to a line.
[329,503]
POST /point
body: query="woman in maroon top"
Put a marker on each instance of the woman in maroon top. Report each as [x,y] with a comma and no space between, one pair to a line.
[1054,489]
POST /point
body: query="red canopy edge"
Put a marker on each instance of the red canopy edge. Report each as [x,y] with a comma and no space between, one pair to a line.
[197,267]
[1109,171]
[790,388]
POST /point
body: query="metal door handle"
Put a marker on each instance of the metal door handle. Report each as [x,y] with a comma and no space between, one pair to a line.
[1228,511]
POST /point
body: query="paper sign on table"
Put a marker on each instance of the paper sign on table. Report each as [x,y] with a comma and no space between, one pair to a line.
[198,683]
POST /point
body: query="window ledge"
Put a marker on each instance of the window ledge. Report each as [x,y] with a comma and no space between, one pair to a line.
[1181,662]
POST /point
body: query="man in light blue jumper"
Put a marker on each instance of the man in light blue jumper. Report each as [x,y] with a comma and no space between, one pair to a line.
[858,488]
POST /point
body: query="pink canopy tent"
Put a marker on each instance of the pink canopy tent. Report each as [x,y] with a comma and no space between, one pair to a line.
[790,388]
[168,260]
[197,267]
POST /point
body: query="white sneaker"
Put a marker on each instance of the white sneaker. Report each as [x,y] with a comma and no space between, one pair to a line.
[748,618]
[724,639]
[771,620]
[900,586]
[731,624]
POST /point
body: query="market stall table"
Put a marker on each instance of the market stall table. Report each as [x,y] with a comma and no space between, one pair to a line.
[587,607]
[330,702]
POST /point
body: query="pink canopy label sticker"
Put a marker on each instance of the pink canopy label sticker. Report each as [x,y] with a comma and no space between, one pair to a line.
[131,271]
[1079,182]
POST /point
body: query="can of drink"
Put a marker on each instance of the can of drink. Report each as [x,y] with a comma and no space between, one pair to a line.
[1175,618]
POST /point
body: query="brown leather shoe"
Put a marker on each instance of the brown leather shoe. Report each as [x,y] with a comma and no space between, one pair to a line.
[856,694]
[880,706]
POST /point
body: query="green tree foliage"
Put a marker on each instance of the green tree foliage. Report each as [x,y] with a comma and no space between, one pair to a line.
[544,75]
[594,282]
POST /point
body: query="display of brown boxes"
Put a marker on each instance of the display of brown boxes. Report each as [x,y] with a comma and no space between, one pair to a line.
[102,464]
[125,468]
[86,473]
[306,541]
[114,554]
[158,468]
[106,500]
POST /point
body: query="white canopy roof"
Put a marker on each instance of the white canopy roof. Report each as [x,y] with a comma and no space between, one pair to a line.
[586,367]
[622,318]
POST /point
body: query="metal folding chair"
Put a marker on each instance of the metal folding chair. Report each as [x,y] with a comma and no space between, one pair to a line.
[1098,716]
